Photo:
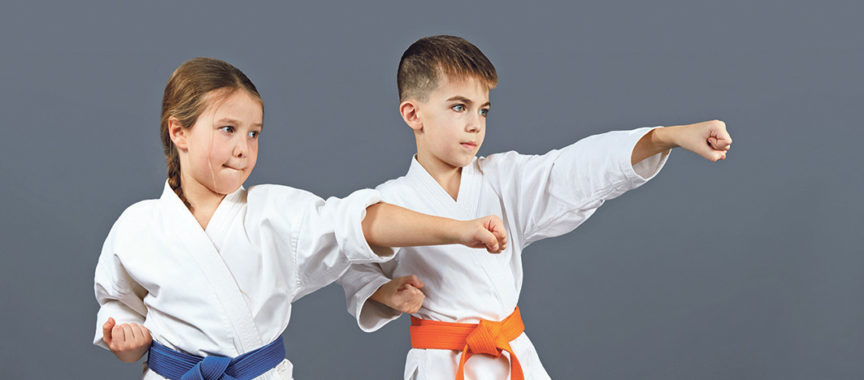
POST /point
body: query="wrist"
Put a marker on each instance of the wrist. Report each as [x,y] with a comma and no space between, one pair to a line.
[452,231]
[131,356]
[665,138]
[378,296]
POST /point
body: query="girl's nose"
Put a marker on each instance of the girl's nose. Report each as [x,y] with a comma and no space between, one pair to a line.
[241,149]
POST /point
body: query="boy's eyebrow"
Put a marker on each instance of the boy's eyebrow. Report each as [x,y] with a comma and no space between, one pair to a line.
[461,99]
[466,100]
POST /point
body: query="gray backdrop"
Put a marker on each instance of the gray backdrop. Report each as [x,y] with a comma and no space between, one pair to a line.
[747,269]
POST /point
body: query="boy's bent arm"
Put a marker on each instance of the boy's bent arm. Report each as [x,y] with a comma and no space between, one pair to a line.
[387,225]
[360,282]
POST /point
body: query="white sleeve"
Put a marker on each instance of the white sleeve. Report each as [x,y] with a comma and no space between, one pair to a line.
[321,238]
[119,296]
[552,194]
[359,283]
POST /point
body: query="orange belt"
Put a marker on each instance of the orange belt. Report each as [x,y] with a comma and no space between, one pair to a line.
[486,337]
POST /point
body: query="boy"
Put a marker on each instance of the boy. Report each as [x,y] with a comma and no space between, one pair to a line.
[470,305]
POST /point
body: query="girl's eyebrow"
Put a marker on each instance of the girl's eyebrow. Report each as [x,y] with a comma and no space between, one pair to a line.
[228,120]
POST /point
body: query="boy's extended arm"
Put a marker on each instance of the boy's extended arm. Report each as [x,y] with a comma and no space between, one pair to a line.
[708,139]
[387,225]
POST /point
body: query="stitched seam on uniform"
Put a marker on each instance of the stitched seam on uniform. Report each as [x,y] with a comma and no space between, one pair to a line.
[295,247]
[597,195]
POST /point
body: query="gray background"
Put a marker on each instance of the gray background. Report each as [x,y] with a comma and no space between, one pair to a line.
[747,269]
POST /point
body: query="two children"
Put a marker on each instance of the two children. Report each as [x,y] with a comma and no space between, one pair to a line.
[204,277]
[469,300]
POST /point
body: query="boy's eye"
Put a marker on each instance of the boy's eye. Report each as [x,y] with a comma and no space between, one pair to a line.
[458,107]
[254,134]
[227,129]
[484,112]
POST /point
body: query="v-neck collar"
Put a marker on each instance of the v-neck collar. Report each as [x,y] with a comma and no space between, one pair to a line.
[200,246]
[465,204]
[221,218]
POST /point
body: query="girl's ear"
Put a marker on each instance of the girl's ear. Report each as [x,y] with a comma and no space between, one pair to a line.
[178,134]
[409,111]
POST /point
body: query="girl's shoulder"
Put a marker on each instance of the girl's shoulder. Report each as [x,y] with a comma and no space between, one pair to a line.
[133,226]
[137,217]
[278,194]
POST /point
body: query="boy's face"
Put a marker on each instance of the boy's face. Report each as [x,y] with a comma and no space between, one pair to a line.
[451,124]
[223,142]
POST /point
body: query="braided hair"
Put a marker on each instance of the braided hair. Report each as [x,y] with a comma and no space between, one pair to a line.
[185,99]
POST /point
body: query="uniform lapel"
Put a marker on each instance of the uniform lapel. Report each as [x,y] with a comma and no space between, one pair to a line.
[204,253]
[465,205]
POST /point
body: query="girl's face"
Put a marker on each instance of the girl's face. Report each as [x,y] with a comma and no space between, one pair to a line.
[222,145]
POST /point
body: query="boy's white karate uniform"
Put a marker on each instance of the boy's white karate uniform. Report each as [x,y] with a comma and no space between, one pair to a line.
[537,197]
[227,290]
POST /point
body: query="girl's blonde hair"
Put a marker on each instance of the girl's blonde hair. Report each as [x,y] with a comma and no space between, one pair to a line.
[185,99]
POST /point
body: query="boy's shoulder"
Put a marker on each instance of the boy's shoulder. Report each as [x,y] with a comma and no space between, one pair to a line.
[499,163]
[395,190]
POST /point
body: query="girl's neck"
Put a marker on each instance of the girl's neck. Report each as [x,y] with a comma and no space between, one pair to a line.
[203,200]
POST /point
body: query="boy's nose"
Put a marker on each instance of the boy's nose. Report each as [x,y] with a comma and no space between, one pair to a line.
[474,124]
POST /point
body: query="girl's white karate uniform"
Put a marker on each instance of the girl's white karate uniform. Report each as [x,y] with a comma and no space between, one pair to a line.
[537,197]
[227,290]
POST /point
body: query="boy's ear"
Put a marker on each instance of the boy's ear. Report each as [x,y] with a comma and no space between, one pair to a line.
[408,110]
[178,134]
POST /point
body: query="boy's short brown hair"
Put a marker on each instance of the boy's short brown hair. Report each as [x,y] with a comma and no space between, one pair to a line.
[424,61]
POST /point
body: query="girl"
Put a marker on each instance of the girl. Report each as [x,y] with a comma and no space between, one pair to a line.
[208,271]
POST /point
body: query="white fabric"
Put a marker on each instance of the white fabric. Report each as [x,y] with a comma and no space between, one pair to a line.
[537,196]
[227,290]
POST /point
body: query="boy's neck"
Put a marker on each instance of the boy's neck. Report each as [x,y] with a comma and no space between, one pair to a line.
[447,176]
[203,200]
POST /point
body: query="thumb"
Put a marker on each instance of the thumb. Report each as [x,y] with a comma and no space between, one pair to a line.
[414,281]
[488,239]
[497,228]
[106,330]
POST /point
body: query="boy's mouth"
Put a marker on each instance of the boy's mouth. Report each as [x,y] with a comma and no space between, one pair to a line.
[469,145]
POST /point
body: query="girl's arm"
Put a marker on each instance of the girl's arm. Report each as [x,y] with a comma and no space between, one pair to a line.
[128,341]
[387,225]
[120,299]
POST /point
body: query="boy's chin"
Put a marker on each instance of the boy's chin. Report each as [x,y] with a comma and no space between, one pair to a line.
[462,162]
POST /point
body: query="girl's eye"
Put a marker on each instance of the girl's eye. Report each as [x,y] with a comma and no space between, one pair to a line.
[458,107]
[484,112]
[254,134]
[227,129]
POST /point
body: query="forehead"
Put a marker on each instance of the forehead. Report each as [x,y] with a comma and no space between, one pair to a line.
[470,87]
[237,105]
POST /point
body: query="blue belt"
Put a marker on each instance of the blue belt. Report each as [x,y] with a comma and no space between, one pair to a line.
[176,365]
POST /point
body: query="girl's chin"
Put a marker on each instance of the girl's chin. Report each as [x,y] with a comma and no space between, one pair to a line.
[226,187]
